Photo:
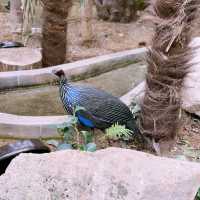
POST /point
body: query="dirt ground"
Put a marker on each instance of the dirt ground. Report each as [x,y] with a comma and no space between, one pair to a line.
[113,37]
[109,37]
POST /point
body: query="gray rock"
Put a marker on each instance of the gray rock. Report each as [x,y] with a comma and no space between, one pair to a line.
[111,174]
[190,92]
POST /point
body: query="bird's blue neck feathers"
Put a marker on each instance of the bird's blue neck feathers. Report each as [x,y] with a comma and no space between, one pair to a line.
[63,81]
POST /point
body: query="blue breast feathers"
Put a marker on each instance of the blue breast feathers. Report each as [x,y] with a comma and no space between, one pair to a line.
[85,122]
[73,94]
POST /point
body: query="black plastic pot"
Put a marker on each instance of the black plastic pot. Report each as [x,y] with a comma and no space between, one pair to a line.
[10,151]
[10,44]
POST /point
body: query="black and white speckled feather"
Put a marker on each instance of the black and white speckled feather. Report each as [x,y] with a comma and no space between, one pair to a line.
[101,108]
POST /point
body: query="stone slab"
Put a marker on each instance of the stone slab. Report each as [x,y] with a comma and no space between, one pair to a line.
[23,58]
[110,174]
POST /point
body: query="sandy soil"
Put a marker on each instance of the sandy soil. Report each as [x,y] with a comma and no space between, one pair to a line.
[109,37]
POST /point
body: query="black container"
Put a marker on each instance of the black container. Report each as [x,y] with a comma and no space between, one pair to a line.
[10,44]
[10,151]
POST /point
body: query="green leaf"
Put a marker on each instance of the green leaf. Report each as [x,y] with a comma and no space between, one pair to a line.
[91,147]
[62,126]
[117,131]
[68,135]
[193,153]
[198,195]
[140,4]
[82,147]
[64,147]
[74,120]
[181,157]
[66,124]
[87,136]
[66,129]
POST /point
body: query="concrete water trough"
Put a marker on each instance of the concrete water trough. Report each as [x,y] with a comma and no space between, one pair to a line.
[30,108]
[76,71]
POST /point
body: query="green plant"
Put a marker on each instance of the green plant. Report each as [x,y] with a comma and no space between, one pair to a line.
[198,195]
[71,137]
[117,131]
[140,4]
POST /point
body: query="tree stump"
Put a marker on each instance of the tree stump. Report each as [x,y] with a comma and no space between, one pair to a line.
[14,59]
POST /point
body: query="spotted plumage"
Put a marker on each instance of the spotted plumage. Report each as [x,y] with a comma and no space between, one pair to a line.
[101,109]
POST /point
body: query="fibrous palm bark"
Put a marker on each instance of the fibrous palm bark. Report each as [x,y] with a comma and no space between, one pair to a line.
[86,22]
[168,65]
[54,41]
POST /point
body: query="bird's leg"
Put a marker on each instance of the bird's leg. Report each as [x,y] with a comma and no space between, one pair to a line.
[93,130]
[77,134]
[93,134]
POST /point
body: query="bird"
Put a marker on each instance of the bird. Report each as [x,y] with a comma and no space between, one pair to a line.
[101,109]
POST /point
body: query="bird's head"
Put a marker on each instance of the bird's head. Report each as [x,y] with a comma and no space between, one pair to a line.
[59,73]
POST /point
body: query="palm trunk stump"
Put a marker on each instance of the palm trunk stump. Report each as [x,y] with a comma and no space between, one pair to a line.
[54,40]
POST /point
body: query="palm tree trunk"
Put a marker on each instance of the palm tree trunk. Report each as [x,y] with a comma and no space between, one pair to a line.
[1,7]
[86,21]
[168,65]
[54,34]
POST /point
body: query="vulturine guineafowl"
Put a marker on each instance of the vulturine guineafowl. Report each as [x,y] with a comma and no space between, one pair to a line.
[101,109]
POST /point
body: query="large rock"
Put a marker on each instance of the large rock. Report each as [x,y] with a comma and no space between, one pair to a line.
[190,92]
[111,174]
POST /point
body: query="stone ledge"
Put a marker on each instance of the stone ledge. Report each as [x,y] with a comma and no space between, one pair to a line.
[136,93]
[15,126]
[76,70]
